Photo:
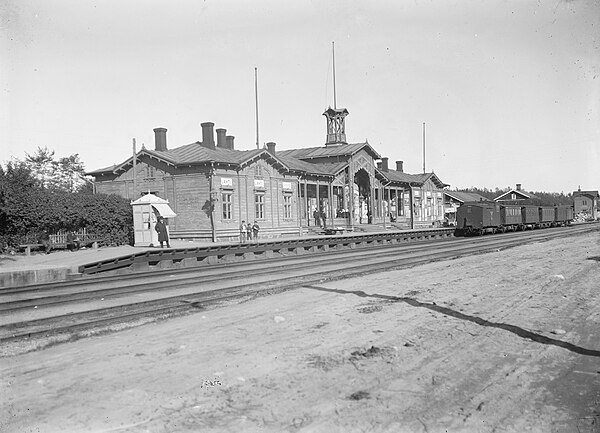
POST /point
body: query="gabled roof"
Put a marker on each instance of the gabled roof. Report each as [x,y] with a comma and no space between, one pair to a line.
[329,151]
[521,195]
[464,197]
[591,194]
[196,154]
[414,179]
[293,160]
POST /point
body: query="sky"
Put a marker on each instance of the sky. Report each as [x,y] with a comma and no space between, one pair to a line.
[509,91]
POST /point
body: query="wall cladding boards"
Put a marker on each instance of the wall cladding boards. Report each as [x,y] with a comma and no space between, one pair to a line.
[192,203]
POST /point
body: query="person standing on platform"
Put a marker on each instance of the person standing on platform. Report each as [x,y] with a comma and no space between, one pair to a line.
[317,217]
[163,234]
[249,231]
[243,229]
[255,230]
[324,218]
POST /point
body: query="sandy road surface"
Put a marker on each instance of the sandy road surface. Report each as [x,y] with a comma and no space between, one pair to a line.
[503,342]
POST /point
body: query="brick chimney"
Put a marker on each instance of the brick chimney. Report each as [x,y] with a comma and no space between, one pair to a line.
[208,138]
[379,165]
[400,166]
[221,141]
[229,139]
[160,139]
[271,147]
[384,164]
[518,187]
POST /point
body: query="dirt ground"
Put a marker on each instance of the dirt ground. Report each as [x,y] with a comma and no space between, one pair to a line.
[503,342]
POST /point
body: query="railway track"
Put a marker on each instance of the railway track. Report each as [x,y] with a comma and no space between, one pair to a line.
[75,308]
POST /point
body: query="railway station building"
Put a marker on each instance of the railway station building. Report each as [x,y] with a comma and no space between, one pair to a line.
[212,186]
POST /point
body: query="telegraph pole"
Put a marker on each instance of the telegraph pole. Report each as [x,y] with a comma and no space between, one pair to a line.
[134,176]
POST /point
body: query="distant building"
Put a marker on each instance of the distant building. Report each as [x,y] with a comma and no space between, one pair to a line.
[586,202]
[516,196]
[212,187]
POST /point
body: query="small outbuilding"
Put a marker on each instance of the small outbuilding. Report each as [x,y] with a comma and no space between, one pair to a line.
[146,211]
[587,203]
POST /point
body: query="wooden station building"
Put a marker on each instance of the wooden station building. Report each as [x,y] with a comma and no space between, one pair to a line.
[212,186]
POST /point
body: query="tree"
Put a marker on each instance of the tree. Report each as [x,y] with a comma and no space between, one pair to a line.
[41,164]
[40,193]
[65,174]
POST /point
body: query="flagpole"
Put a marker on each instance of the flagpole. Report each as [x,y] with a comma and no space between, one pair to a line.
[256,98]
[334,94]
[423,147]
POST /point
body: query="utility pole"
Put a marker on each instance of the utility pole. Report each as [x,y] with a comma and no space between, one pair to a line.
[134,176]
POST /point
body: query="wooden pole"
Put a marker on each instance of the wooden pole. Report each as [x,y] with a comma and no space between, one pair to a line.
[134,176]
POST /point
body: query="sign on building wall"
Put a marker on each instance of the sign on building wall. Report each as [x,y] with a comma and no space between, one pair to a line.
[259,183]
[227,181]
[287,186]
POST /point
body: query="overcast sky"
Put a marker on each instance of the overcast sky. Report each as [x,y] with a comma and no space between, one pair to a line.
[509,90]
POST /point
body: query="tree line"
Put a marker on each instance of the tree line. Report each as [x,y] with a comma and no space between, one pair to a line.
[45,193]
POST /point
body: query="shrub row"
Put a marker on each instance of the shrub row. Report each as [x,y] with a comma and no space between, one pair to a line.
[26,213]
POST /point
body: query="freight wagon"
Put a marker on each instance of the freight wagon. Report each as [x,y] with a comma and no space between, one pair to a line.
[478,218]
[547,216]
[488,217]
[531,216]
[511,218]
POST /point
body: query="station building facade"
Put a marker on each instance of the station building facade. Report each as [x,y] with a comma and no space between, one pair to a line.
[213,187]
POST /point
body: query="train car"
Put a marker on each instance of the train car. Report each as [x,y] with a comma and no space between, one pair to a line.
[477,218]
[547,216]
[531,216]
[511,218]
[563,215]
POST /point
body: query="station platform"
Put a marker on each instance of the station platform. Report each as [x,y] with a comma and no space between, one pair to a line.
[39,267]
[20,270]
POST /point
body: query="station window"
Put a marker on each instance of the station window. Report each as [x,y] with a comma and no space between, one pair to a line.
[259,206]
[227,202]
[287,206]
[150,171]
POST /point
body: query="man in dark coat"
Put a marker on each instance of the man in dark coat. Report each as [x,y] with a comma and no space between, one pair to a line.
[161,229]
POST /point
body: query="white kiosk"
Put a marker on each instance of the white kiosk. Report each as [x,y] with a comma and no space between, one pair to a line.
[146,211]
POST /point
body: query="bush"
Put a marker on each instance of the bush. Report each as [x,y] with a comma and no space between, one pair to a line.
[107,216]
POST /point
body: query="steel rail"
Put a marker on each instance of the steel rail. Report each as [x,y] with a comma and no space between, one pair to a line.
[174,304]
[74,293]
